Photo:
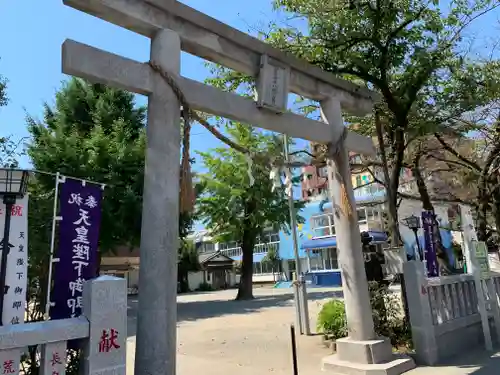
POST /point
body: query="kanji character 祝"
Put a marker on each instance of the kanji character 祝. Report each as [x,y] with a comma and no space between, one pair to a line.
[91,202]
[17,210]
[84,217]
[75,198]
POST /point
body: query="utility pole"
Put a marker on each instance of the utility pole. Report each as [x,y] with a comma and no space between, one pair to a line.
[299,285]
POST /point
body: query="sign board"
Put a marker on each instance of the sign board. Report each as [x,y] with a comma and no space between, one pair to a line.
[428,224]
[14,299]
[473,267]
[80,206]
[272,85]
[17,262]
[481,254]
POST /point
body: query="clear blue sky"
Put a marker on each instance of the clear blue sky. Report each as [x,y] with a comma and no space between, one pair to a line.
[30,51]
[32,32]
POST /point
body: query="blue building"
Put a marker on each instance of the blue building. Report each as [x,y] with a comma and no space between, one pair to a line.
[316,240]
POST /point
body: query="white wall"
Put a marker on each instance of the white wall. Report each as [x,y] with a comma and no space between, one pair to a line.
[195,279]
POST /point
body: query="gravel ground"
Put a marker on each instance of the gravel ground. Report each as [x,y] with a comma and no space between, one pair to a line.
[218,335]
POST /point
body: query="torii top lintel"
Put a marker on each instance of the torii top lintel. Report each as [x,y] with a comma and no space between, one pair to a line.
[213,40]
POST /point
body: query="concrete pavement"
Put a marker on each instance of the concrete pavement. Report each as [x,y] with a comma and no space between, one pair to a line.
[477,362]
[218,335]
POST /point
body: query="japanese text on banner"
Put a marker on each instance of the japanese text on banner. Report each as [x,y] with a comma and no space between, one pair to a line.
[17,262]
[78,240]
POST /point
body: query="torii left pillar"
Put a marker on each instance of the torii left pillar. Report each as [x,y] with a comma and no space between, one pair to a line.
[157,308]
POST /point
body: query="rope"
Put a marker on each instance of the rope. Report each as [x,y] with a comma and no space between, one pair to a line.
[187,195]
[336,148]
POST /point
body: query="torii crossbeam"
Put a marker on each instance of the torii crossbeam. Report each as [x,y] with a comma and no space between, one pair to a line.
[173,26]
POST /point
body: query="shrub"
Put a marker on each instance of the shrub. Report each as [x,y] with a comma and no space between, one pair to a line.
[332,319]
[204,287]
[388,318]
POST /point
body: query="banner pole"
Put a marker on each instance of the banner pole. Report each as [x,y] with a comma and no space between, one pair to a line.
[55,219]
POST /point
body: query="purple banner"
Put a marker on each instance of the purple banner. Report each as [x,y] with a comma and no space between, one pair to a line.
[80,209]
[428,218]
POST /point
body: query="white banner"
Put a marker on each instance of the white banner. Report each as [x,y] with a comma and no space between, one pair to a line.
[17,262]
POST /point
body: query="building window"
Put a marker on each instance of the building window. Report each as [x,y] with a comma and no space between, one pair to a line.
[323,172]
[323,259]
[322,225]
[207,247]
[257,268]
[361,215]
[358,181]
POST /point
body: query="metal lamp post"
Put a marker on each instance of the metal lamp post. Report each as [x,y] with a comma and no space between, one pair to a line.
[13,185]
[413,222]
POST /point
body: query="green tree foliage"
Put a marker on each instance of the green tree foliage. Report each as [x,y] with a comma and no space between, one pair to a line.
[94,132]
[3,91]
[404,50]
[232,208]
[10,151]
[188,262]
[273,259]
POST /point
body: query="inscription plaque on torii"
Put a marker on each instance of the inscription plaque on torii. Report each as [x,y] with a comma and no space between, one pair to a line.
[173,26]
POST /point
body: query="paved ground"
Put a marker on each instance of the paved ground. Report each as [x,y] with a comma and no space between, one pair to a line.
[217,335]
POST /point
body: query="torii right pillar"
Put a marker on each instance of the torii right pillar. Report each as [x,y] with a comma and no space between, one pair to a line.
[362,352]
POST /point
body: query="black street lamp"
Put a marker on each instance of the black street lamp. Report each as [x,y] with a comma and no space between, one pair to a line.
[413,222]
[13,185]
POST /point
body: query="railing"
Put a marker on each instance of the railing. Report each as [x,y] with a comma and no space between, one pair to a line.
[444,312]
[374,190]
[258,249]
[102,330]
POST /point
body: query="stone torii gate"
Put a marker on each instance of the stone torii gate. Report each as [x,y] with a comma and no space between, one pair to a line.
[173,26]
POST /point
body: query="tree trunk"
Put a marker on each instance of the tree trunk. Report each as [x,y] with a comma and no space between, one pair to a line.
[389,186]
[442,256]
[245,291]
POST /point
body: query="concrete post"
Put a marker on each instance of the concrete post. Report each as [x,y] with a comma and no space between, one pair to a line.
[422,327]
[157,308]
[470,239]
[105,307]
[302,307]
[361,351]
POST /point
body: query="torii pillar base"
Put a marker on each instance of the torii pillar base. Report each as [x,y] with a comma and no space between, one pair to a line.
[372,357]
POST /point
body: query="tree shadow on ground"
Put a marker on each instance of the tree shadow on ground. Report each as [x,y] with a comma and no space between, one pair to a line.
[190,311]
[488,363]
